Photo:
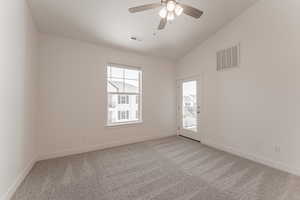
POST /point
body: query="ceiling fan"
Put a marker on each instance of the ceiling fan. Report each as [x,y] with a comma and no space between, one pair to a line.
[170,9]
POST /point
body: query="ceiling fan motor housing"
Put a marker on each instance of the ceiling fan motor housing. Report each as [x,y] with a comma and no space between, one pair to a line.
[166,1]
[171,8]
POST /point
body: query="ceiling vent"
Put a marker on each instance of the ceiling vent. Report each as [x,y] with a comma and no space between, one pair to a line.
[135,39]
[228,58]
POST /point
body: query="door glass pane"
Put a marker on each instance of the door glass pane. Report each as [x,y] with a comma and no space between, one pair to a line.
[189,105]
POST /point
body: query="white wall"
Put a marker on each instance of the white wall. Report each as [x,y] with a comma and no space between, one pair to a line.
[18,39]
[252,109]
[73,95]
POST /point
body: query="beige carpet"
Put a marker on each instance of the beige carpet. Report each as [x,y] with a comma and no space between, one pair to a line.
[168,169]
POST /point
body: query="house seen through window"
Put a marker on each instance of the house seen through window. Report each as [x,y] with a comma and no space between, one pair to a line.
[123,94]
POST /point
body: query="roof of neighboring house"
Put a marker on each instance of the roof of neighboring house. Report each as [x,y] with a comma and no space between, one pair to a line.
[117,86]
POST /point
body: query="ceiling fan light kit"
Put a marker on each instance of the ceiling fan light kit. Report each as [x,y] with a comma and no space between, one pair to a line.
[170,9]
[163,12]
[170,16]
[171,6]
[178,10]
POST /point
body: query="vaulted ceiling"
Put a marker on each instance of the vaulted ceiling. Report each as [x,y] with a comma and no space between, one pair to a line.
[108,22]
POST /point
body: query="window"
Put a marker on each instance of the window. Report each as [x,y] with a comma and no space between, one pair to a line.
[124,90]
[123,99]
[189,105]
[123,115]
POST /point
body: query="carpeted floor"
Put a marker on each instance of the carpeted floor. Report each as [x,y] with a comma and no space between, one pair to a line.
[173,168]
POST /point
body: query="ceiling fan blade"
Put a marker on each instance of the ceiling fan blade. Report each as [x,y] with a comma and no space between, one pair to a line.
[191,11]
[144,7]
[162,23]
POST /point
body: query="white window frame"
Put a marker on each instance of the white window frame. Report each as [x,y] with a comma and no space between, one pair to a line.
[140,95]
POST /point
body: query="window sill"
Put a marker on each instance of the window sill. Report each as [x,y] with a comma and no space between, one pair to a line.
[124,124]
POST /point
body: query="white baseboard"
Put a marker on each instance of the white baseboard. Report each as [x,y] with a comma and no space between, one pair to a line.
[12,189]
[10,192]
[255,158]
[99,147]
[8,195]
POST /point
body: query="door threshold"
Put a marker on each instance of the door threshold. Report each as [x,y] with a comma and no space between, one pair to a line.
[189,138]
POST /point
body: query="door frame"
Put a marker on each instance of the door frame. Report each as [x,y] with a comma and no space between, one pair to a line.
[180,131]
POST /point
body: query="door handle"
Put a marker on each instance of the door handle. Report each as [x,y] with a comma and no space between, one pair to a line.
[198,109]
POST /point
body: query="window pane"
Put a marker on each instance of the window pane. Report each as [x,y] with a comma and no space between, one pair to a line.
[131,86]
[121,111]
[115,85]
[123,99]
[189,105]
[115,72]
[132,74]
[123,106]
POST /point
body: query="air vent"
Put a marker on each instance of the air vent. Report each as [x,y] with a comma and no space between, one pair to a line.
[228,58]
[135,39]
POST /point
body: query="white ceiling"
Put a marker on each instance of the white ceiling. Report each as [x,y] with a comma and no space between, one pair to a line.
[108,22]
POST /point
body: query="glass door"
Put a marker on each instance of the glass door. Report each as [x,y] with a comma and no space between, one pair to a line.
[189,108]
